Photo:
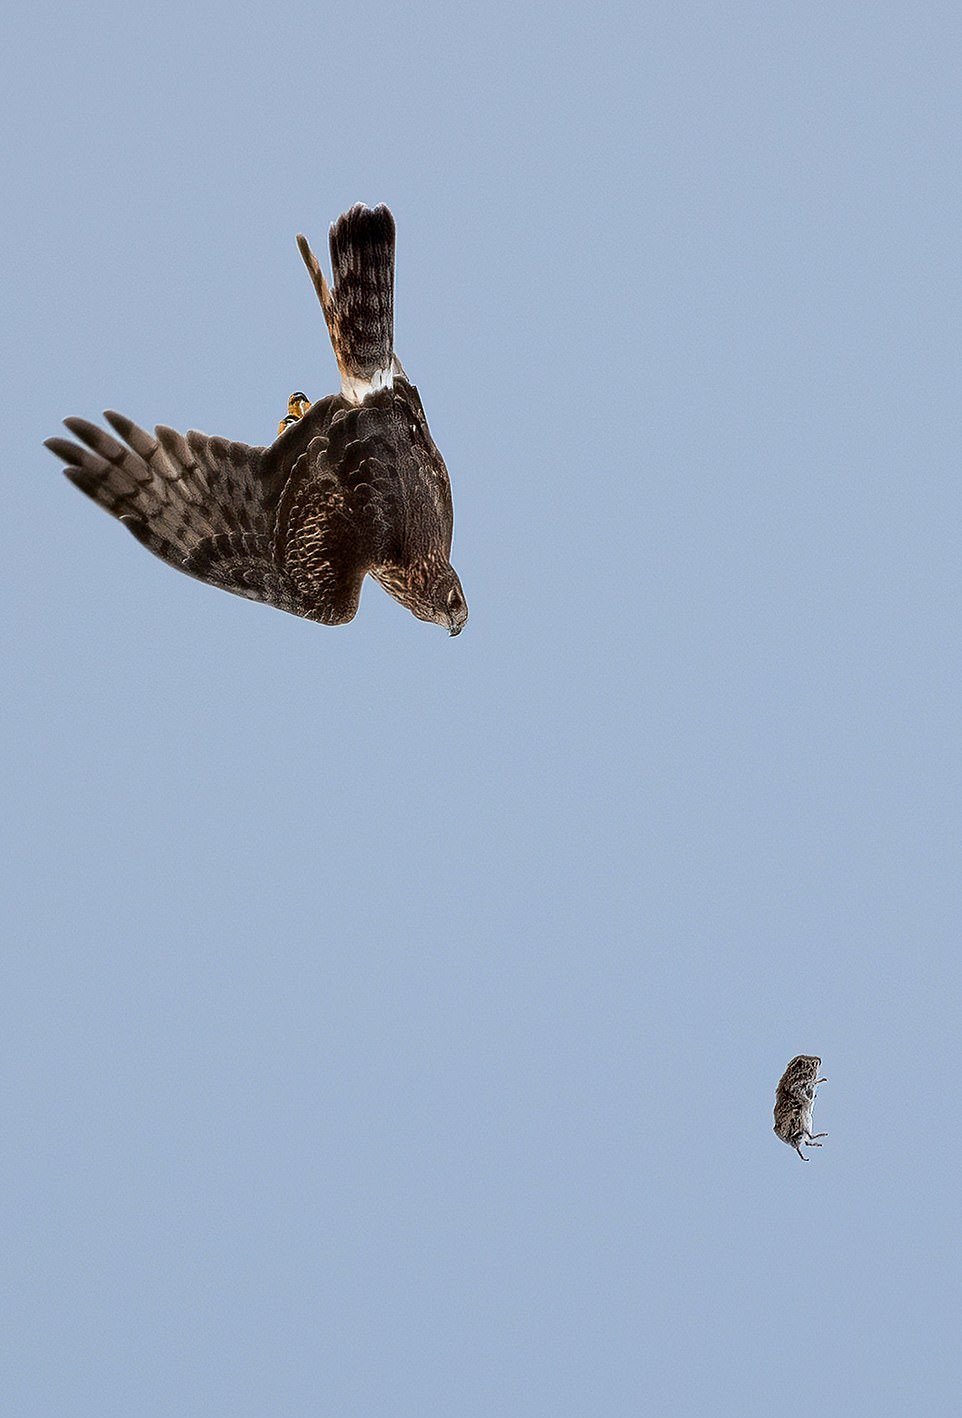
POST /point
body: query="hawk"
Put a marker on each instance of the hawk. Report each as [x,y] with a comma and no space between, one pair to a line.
[352,486]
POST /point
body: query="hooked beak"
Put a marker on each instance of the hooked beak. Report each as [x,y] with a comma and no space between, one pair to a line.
[456,630]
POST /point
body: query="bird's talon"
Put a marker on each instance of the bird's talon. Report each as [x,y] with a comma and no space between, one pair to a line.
[297,406]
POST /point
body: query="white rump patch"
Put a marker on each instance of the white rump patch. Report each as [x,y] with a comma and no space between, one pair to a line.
[356,389]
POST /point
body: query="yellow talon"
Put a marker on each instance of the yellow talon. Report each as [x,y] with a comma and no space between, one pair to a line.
[297,406]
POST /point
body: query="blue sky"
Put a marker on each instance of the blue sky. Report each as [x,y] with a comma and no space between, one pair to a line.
[391,1022]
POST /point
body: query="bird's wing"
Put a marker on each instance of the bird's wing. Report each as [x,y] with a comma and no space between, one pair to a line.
[285,525]
[196,502]
[339,513]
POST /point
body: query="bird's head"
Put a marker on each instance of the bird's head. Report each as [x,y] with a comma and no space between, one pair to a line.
[444,602]
[455,606]
[430,590]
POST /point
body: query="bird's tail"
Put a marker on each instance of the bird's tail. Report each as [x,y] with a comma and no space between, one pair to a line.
[360,309]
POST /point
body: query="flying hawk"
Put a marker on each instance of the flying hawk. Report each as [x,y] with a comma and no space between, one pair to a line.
[353,484]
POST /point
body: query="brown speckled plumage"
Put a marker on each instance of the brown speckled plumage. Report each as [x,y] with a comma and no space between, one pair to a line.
[794,1102]
[355,487]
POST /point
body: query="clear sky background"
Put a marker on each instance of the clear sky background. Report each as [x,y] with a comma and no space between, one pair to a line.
[391,1022]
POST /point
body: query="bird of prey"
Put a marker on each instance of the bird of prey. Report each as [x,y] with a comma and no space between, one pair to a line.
[352,486]
[794,1102]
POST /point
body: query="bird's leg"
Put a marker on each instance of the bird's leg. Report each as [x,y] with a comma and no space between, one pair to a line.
[813,1135]
[798,1149]
[820,1080]
[297,406]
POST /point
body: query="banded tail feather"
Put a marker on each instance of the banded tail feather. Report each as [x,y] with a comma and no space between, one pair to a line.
[360,309]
